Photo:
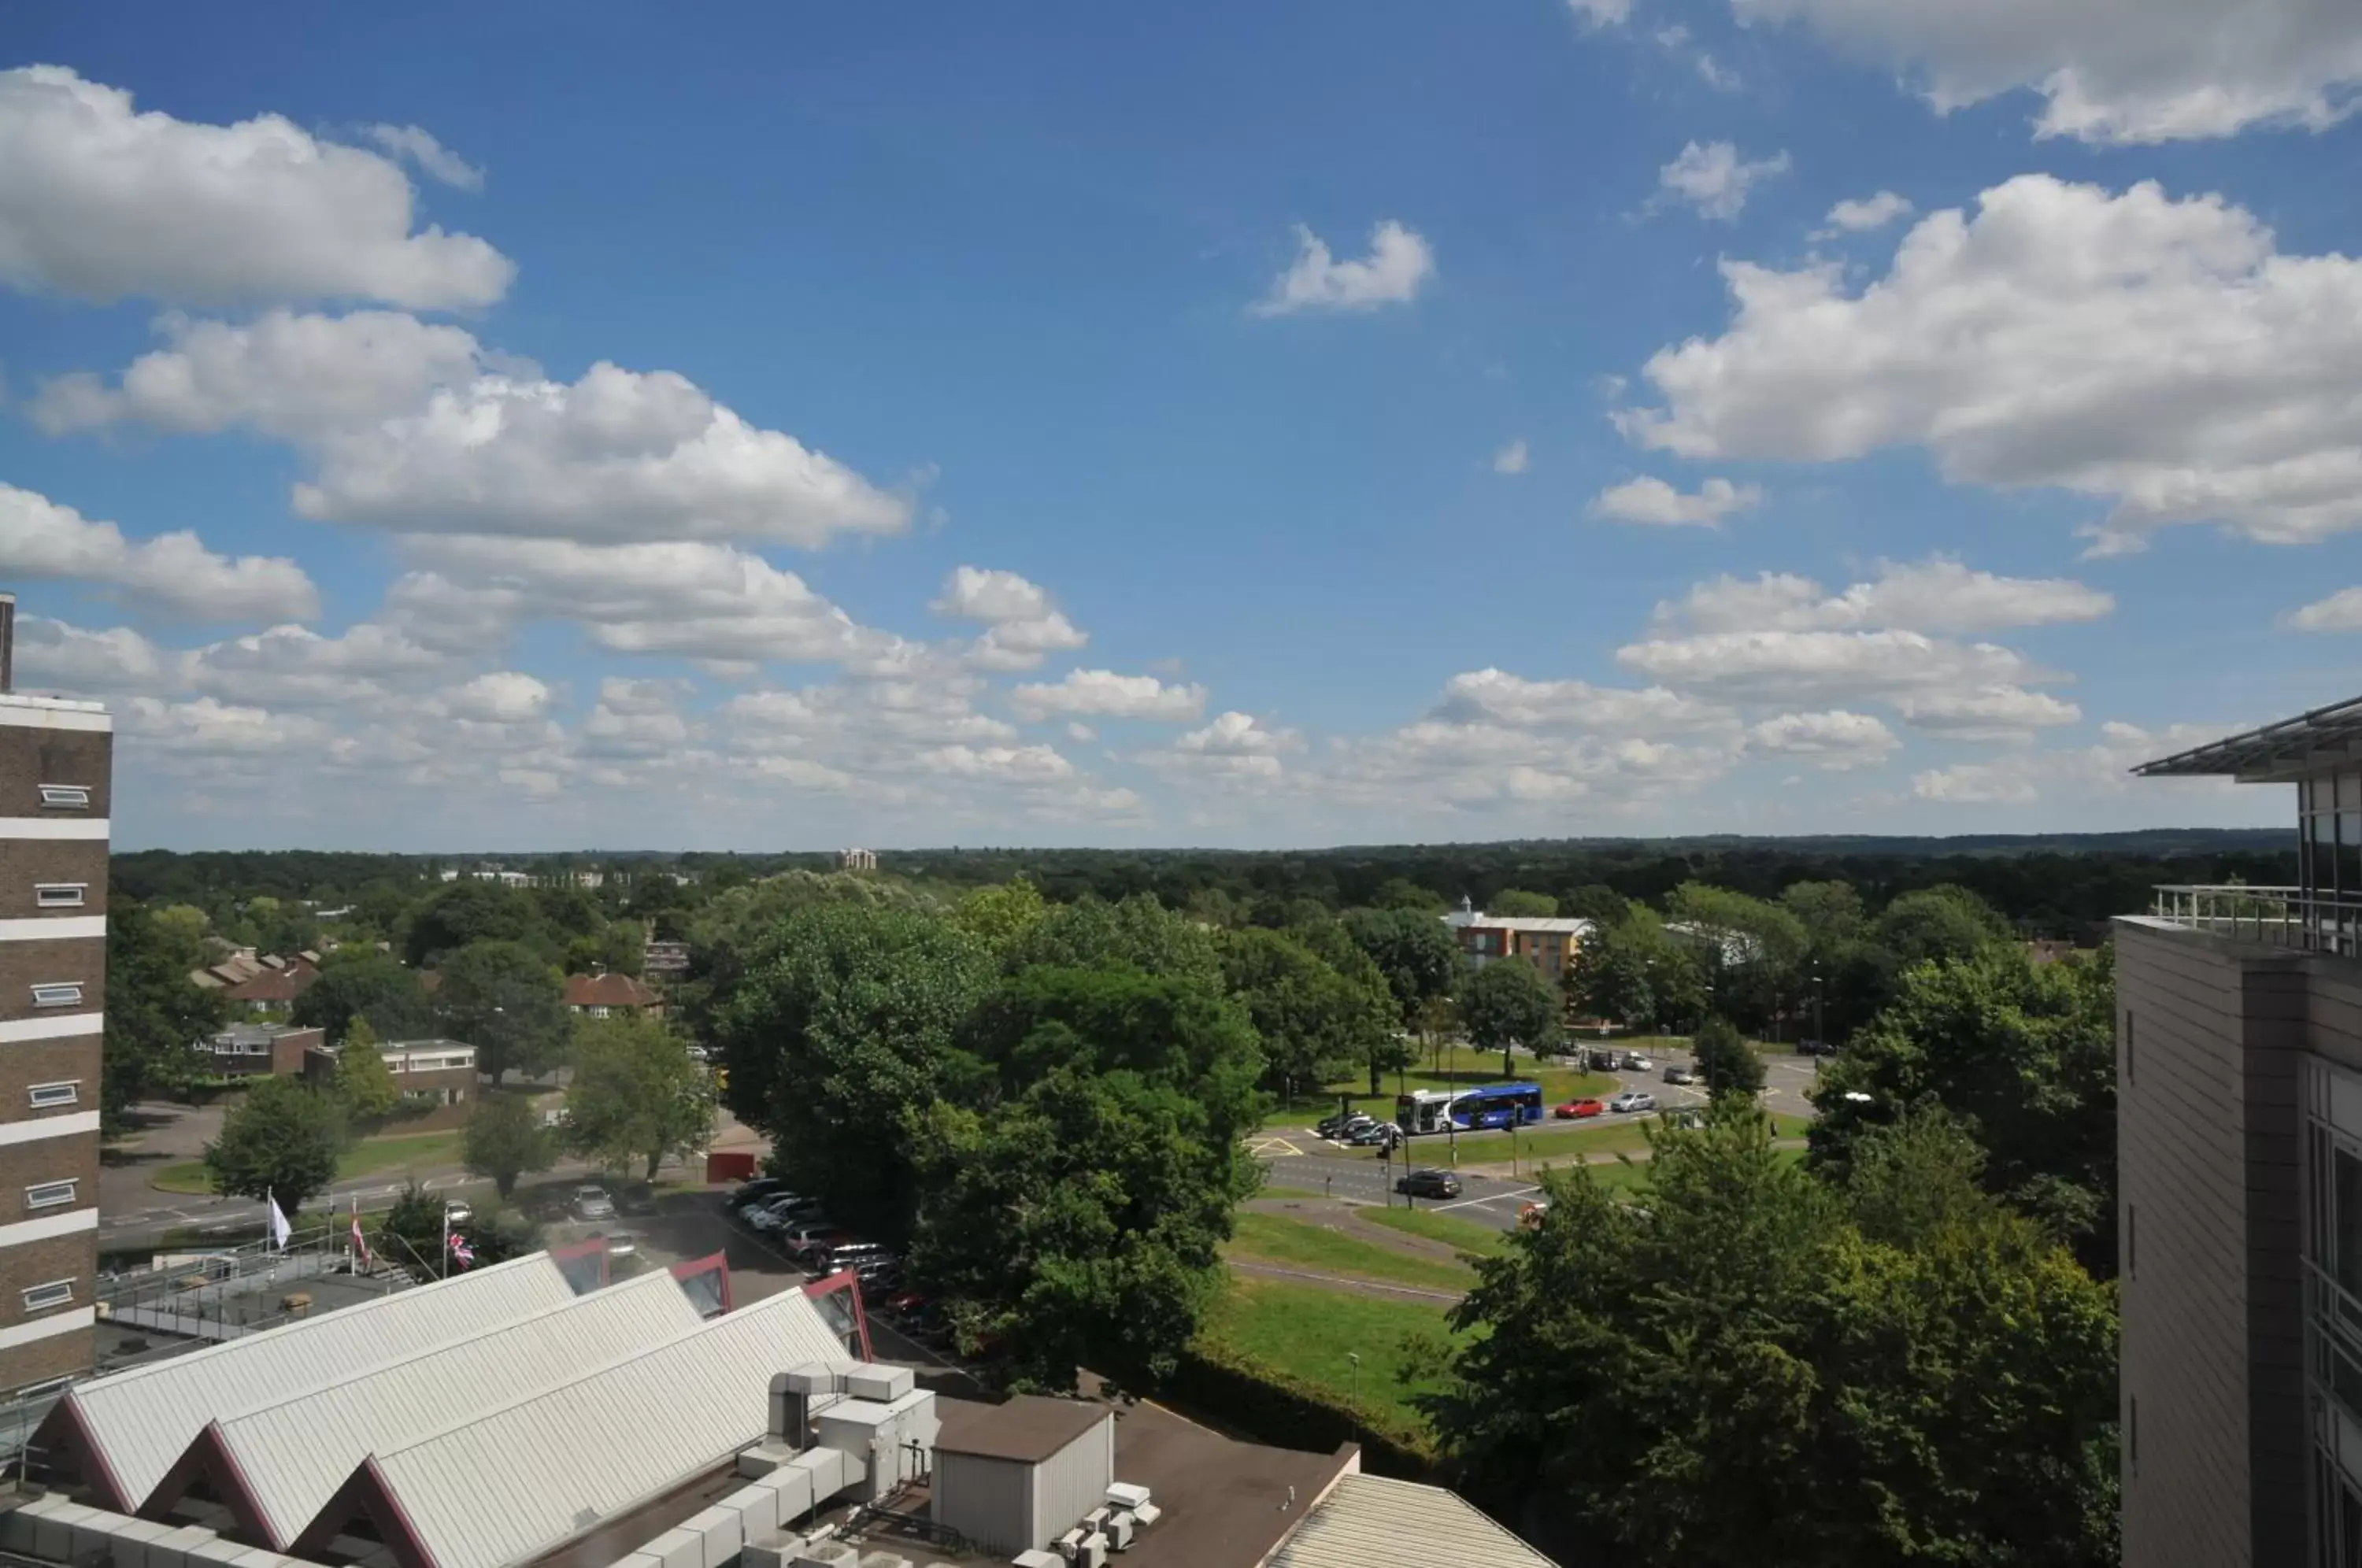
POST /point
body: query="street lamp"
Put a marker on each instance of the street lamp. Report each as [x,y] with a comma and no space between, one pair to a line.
[1355,1359]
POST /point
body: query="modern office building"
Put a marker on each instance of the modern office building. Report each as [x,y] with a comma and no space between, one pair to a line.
[55,759]
[2239,1130]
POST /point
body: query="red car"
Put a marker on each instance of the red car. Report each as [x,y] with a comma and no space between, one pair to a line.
[1578,1107]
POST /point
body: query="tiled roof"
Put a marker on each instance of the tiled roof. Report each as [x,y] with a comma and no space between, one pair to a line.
[607,990]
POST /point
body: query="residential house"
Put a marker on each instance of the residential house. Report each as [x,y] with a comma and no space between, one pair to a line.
[612,996]
[257,1049]
[272,993]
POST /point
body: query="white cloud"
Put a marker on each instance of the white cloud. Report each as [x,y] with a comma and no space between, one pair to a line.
[2341,612]
[1987,712]
[2112,71]
[1494,696]
[1808,668]
[101,202]
[1102,693]
[1022,626]
[1511,459]
[1600,13]
[1650,499]
[500,697]
[1857,216]
[1835,740]
[1937,595]
[2157,353]
[171,572]
[1239,735]
[1714,179]
[1018,764]
[296,666]
[1399,262]
[434,160]
[54,656]
[206,727]
[1977,784]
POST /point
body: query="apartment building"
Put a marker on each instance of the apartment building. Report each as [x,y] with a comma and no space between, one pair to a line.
[56,761]
[2239,1131]
[1548,943]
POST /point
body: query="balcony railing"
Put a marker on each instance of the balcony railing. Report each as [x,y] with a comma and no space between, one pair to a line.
[2280,917]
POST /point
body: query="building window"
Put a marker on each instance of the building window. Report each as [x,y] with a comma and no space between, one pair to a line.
[41,1298]
[50,1194]
[58,993]
[48,1097]
[60,895]
[66,797]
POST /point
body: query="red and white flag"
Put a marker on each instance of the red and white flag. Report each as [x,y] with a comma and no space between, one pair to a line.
[361,1244]
[461,1252]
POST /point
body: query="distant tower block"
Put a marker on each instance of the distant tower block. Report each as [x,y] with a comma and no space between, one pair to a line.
[857,859]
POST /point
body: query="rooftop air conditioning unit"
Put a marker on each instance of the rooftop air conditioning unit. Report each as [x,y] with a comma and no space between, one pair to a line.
[1093,1552]
[1125,1495]
[1037,1559]
[1069,1545]
[1119,1529]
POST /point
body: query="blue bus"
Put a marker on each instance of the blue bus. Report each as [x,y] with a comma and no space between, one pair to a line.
[1489,1105]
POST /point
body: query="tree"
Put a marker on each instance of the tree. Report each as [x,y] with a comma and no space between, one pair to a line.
[504,1139]
[1506,1003]
[1743,1365]
[1402,893]
[1518,903]
[155,1014]
[1000,916]
[1632,973]
[1939,923]
[1722,1060]
[618,947]
[1599,905]
[501,997]
[1830,913]
[412,1235]
[364,1084]
[2022,1055]
[1316,1025]
[469,910]
[282,1139]
[359,982]
[1415,952]
[637,1094]
[1074,1207]
[1753,951]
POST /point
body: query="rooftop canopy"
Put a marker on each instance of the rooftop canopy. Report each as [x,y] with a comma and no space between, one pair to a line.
[2276,753]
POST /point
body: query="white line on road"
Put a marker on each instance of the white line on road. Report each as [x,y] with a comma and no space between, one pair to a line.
[1496,1198]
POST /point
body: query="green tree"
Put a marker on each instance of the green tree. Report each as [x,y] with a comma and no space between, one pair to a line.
[155,1014]
[1415,951]
[1074,1207]
[637,1094]
[839,1036]
[1316,1025]
[1939,923]
[359,982]
[503,1000]
[283,1139]
[504,1139]
[1830,913]
[1599,905]
[2022,1055]
[1000,916]
[1724,1061]
[187,924]
[618,947]
[461,913]
[1506,1003]
[1518,903]
[1402,893]
[364,1084]
[411,1236]
[1741,1367]
[1754,952]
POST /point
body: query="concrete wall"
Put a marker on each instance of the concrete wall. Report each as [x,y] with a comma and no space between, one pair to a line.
[2209,1041]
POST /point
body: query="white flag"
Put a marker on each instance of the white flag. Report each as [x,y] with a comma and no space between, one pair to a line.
[280,1228]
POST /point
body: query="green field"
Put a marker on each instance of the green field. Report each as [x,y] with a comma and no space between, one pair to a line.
[1310,1332]
[1617,1177]
[413,1150]
[1293,1243]
[1464,1234]
[1454,1064]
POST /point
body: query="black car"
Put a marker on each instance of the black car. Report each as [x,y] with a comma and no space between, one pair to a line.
[1428,1184]
[1816,1048]
[1377,1135]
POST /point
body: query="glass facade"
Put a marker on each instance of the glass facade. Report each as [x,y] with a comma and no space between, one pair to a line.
[2329,859]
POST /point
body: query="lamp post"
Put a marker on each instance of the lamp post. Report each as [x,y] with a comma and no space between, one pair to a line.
[1354,1359]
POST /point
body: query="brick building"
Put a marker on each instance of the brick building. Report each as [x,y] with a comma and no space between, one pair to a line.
[56,762]
[255,1050]
[612,996]
[437,1077]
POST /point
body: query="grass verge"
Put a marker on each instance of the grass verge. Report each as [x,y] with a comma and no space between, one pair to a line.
[1293,1243]
[366,1158]
[1454,1066]
[1482,1241]
[1307,1332]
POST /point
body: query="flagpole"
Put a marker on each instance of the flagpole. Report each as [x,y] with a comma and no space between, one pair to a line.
[447,1241]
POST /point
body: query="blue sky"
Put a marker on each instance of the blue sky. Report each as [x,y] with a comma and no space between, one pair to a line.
[1074,424]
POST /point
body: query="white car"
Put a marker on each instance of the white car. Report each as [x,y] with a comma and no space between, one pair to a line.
[1637,1064]
[1632,1099]
[458,1212]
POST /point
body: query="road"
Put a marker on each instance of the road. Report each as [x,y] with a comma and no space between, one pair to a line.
[1299,1159]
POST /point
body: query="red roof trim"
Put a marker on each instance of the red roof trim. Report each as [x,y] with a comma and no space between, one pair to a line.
[713,1263]
[67,1429]
[366,1494]
[208,1458]
[847,1281]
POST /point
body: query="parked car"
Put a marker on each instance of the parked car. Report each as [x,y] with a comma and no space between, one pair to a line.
[1574,1109]
[788,1214]
[906,1304]
[855,1255]
[1632,1099]
[1816,1048]
[458,1212]
[621,1247]
[1677,1073]
[1428,1184]
[591,1202]
[1377,1135]
[1351,1125]
[1633,1062]
[1599,1059]
[802,1240]
[761,1189]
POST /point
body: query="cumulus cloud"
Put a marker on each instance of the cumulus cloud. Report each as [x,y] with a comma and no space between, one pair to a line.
[1494,696]
[1399,263]
[1022,626]
[1511,459]
[101,202]
[434,160]
[1600,13]
[1986,713]
[293,665]
[1835,740]
[1859,215]
[1812,667]
[2158,354]
[2112,70]
[2341,612]
[1713,180]
[1652,500]
[54,656]
[173,573]
[1937,595]
[1239,735]
[1102,693]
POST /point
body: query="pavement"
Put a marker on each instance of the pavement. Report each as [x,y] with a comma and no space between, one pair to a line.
[1300,1160]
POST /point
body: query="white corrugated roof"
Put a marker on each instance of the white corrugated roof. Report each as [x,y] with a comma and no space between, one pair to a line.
[295,1456]
[1369,1521]
[510,1486]
[1566,925]
[143,1419]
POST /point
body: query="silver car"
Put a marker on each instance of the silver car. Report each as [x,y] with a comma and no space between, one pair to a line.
[1632,1099]
[1677,1073]
[593,1203]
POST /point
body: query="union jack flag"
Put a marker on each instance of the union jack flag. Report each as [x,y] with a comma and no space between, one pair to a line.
[461,1252]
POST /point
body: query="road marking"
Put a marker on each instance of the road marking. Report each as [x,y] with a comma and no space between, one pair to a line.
[1465,1202]
[1251,1266]
[1272,1149]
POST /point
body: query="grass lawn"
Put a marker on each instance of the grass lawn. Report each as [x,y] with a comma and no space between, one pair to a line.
[1304,1329]
[1617,1177]
[1606,1136]
[1272,1238]
[1454,1066]
[1466,1234]
[367,1158]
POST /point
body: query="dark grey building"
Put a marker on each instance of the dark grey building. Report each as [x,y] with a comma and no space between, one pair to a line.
[2239,1127]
